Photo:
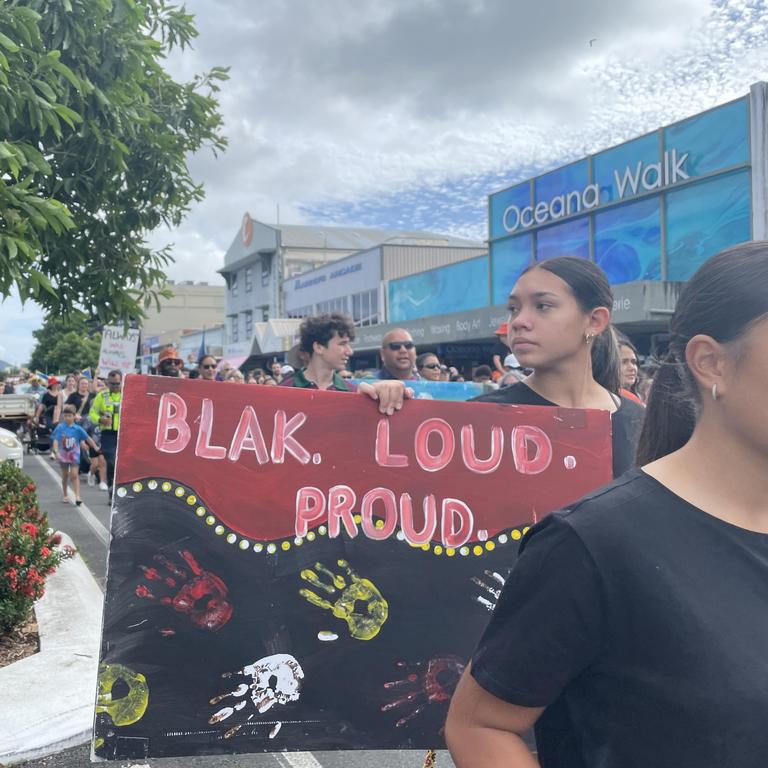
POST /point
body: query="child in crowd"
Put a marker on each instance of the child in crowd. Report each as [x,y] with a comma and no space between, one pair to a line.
[67,439]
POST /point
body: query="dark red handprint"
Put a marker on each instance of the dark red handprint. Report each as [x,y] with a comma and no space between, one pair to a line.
[202,596]
[426,682]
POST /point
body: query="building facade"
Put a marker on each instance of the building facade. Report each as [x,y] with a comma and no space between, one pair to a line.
[275,272]
[191,306]
[649,212]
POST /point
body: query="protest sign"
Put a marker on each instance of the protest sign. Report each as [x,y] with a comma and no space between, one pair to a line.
[118,350]
[291,570]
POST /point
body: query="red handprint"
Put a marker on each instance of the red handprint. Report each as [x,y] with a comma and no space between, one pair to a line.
[426,682]
[203,597]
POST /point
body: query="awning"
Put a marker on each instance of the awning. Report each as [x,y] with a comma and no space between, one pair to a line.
[276,335]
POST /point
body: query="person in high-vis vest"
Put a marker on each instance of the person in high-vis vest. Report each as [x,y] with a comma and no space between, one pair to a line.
[105,413]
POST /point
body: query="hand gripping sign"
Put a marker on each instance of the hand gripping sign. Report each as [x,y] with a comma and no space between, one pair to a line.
[317,546]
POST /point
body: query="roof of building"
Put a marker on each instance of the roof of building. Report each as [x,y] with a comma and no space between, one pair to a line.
[359,238]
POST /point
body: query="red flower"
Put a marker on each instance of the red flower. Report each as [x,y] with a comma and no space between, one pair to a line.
[45,551]
[29,528]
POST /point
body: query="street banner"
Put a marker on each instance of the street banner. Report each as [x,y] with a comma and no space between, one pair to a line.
[118,350]
[291,570]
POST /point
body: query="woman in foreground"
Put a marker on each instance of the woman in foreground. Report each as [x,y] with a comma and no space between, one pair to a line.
[644,606]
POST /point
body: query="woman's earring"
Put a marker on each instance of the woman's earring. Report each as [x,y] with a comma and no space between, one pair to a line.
[714,392]
[588,337]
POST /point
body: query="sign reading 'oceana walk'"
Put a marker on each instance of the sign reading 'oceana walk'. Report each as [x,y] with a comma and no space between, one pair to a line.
[642,177]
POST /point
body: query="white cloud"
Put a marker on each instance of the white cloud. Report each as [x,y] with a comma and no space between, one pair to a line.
[335,107]
[408,113]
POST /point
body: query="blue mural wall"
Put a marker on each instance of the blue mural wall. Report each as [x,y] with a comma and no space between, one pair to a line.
[571,238]
[454,288]
[508,259]
[704,218]
[628,241]
[653,208]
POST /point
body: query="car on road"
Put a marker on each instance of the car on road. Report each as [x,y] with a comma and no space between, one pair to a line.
[11,448]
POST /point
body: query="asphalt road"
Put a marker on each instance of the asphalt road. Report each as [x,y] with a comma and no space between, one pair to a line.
[88,527]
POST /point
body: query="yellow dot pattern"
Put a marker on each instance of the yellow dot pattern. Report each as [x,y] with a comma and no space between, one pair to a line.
[232,537]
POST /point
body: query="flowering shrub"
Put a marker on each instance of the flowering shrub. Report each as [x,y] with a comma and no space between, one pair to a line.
[27,550]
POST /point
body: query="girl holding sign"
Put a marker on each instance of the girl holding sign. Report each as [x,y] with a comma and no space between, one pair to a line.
[642,607]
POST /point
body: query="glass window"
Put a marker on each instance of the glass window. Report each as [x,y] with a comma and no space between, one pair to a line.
[500,224]
[357,315]
[508,259]
[248,279]
[234,328]
[628,241]
[713,140]
[300,312]
[248,324]
[704,218]
[233,284]
[374,316]
[570,238]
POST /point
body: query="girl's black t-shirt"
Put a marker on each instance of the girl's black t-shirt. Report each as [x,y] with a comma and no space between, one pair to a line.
[647,618]
[49,403]
[626,421]
[76,399]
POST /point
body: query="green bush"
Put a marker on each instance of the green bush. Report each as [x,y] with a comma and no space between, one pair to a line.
[27,549]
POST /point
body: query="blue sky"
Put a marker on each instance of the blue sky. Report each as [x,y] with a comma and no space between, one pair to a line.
[408,113]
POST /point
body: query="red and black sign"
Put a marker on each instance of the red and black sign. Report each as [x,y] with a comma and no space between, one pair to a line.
[289,569]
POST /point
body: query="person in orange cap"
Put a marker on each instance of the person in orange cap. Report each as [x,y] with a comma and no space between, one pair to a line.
[170,363]
[500,348]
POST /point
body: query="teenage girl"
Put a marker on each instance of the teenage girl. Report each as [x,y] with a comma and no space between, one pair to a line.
[560,325]
[643,606]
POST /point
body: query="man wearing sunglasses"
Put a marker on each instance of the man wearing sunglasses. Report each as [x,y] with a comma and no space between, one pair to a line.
[169,363]
[398,356]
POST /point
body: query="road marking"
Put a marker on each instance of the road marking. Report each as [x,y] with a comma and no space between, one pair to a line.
[83,509]
[298,760]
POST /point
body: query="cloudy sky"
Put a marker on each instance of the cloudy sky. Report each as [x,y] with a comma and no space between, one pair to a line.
[407,113]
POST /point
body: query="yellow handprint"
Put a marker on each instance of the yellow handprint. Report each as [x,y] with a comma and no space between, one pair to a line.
[127,709]
[362,626]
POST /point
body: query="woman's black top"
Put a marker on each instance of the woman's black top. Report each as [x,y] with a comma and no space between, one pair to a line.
[626,421]
[648,619]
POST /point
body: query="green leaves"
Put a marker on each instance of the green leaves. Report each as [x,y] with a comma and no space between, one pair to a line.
[94,137]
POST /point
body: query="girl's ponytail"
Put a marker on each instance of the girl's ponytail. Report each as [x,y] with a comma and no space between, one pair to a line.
[722,300]
[606,360]
[671,413]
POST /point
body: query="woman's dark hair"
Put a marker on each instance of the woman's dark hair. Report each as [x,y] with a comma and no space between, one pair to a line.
[726,296]
[591,289]
[422,358]
[204,358]
[320,329]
